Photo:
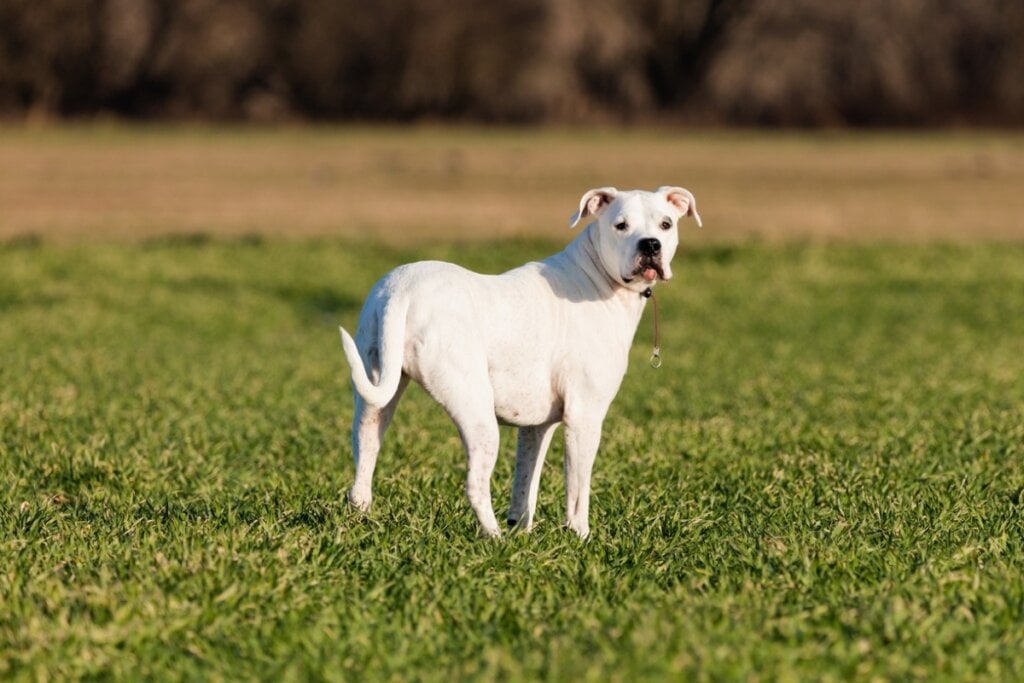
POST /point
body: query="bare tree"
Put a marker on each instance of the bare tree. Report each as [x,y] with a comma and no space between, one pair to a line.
[770,62]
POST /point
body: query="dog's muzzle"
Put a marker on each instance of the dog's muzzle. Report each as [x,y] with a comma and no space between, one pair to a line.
[649,247]
[647,263]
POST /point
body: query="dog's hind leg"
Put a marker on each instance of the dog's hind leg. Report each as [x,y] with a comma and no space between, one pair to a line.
[368,427]
[481,452]
[472,410]
[530,451]
[480,437]
[453,370]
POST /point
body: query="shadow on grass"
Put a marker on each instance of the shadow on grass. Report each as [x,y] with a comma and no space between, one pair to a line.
[22,241]
[10,301]
[712,253]
[201,239]
[318,302]
[309,302]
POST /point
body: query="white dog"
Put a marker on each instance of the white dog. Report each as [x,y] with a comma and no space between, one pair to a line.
[543,344]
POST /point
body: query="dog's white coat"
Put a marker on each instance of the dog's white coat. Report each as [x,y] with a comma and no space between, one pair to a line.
[543,344]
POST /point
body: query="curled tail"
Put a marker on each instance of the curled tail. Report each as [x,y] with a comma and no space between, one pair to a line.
[392,349]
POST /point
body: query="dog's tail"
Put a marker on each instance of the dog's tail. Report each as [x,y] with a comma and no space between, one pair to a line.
[392,343]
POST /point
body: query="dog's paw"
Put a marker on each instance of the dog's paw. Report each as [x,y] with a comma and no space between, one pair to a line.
[486,532]
[359,501]
[581,529]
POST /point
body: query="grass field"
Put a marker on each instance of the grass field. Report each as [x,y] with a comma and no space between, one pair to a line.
[825,480]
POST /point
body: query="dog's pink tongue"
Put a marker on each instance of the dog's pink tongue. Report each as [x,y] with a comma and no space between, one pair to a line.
[650,274]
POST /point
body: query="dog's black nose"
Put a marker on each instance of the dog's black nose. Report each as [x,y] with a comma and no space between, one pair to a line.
[650,246]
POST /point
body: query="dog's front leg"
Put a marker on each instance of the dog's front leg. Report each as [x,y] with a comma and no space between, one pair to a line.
[581,442]
[530,451]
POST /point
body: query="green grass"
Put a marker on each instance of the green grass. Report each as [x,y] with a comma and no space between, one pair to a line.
[824,480]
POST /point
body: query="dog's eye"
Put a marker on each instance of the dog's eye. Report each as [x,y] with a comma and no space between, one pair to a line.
[666,225]
[621,226]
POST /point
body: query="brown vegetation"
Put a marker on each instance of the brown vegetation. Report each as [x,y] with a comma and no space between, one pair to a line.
[777,62]
[406,186]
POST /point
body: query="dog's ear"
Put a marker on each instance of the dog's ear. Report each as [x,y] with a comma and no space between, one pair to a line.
[683,200]
[593,202]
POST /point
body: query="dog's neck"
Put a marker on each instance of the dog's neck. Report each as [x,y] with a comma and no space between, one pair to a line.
[579,274]
[594,268]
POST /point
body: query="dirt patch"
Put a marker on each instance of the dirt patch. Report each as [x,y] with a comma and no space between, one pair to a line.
[420,184]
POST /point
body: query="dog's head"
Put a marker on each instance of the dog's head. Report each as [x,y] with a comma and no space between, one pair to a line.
[635,234]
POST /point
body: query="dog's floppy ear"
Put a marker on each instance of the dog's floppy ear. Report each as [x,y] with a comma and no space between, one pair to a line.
[593,202]
[683,200]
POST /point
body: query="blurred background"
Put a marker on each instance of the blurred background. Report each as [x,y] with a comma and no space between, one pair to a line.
[714,62]
[632,93]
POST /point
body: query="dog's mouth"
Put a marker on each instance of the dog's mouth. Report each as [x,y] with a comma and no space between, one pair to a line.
[648,268]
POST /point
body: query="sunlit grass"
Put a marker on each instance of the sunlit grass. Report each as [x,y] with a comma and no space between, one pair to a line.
[823,481]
